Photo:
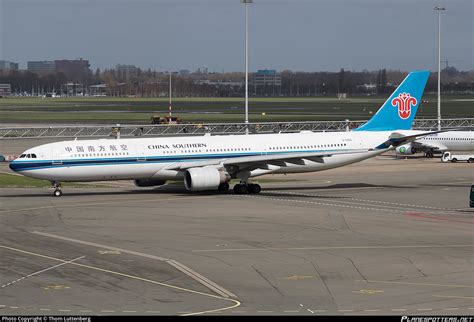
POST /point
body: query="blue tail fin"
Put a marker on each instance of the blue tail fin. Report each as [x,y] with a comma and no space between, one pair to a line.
[398,112]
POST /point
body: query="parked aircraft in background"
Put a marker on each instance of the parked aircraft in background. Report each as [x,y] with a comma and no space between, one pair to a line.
[439,143]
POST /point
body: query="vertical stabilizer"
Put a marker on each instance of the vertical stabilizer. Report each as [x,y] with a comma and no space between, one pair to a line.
[398,112]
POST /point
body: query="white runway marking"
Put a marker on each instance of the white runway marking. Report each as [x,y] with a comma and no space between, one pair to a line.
[235,302]
[326,248]
[323,203]
[362,205]
[364,201]
[180,267]
[41,271]
[312,311]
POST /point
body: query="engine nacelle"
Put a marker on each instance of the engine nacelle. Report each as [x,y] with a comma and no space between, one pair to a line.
[406,149]
[200,179]
[148,182]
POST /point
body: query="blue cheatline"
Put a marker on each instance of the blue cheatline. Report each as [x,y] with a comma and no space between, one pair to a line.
[67,163]
[398,112]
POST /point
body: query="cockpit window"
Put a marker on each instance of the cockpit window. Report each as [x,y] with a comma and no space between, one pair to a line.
[22,156]
[33,156]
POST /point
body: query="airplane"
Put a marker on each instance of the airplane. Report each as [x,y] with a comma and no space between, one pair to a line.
[208,163]
[438,143]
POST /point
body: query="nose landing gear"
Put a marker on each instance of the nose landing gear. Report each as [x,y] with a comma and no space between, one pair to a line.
[57,189]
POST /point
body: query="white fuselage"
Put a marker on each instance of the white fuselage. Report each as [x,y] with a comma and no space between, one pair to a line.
[448,141]
[142,158]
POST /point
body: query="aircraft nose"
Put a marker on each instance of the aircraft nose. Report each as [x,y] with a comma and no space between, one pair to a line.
[13,165]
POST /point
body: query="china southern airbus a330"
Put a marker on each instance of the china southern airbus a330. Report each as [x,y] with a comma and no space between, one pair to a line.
[210,162]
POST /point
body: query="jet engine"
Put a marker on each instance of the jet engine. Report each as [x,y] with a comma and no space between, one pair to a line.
[406,149]
[200,179]
[148,182]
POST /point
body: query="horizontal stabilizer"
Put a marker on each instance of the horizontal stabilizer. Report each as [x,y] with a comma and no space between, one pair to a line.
[397,139]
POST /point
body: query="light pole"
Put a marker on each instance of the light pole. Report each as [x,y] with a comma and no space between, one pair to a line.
[246,3]
[439,9]
[169,121]
[170,95]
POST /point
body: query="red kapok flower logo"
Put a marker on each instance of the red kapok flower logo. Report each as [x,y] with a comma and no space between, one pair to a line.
[404,102]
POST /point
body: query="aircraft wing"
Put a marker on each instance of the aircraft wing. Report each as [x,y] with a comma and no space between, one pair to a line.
[292,157]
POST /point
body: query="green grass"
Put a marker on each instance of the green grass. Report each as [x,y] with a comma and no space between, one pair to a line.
[200,110]
[144,118]
[16,181]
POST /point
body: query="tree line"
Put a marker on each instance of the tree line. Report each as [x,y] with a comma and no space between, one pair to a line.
[150,83]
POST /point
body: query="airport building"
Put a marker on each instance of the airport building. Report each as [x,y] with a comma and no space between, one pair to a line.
[184,72]
[203,70]
[70,68]
[41,67]
[6,65]
[76,68]
[72,89]
[266,82]
[5,90]
[127,71]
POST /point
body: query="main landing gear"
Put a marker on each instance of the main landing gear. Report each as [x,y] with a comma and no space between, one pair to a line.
[429,153]
[244,188]
[57,189]
[223,187]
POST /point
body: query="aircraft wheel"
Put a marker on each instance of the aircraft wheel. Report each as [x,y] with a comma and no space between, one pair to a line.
[240,189]
[223,187]
[57,193]
[254,188]
[237,189]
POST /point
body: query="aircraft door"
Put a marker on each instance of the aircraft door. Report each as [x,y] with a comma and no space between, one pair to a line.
[57,157]
[141,153]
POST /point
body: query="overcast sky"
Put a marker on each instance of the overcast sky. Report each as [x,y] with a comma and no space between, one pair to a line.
[301,35]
